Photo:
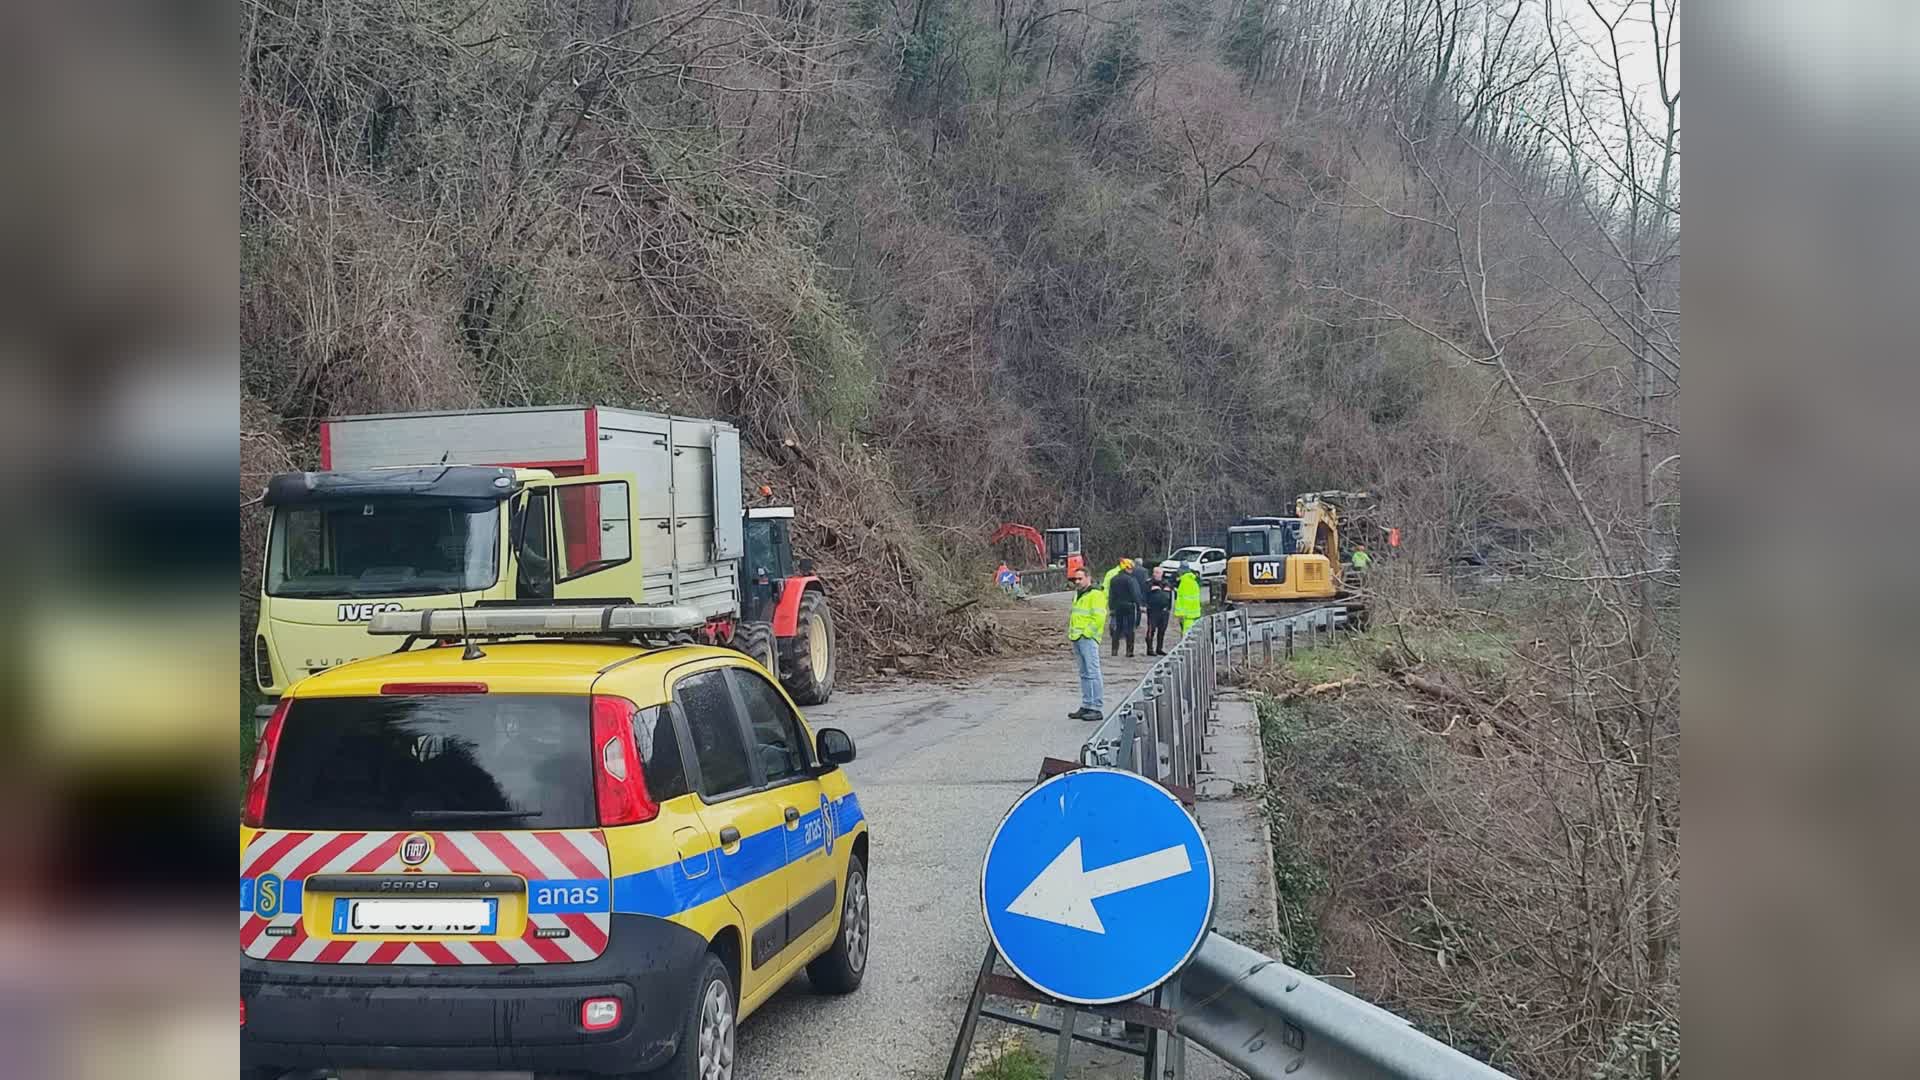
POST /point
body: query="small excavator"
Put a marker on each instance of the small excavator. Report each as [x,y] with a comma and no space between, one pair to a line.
[1059,547]
[1283,565]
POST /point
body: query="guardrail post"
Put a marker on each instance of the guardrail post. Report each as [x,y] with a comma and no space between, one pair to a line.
[1124,756]
[1167,714]
[1289,640]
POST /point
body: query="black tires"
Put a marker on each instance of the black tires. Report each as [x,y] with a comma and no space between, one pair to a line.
[806,658]
[706,1031]
[756,640]
[840,969]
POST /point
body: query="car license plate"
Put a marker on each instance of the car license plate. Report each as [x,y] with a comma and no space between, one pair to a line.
[415,916]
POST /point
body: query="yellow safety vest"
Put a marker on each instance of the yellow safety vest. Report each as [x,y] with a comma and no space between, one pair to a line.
[1186,596]
[1089,618]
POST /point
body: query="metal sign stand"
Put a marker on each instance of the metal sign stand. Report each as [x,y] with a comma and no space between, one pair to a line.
[1164,1056]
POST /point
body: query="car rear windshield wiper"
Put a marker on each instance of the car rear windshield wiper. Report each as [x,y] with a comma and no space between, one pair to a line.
[456,815]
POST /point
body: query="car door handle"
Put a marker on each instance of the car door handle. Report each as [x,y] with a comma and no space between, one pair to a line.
[729,836]
[792,815]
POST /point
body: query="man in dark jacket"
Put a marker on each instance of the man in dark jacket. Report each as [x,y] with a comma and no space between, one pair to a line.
[1123,602]
[1159,606]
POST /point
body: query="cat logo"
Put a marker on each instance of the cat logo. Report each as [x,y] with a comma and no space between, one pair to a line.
[364,612]
[267,895]
[1269,570]
[416,848]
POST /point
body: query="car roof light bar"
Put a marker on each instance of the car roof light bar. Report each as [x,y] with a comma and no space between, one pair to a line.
[580,621]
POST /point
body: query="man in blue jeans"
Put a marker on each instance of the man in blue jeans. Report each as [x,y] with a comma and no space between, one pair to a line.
[1085,627]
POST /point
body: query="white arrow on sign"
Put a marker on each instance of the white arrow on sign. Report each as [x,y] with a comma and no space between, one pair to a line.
[1065,891]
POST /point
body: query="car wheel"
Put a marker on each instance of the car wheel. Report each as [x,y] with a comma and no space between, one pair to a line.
[707,1029]
[840,969]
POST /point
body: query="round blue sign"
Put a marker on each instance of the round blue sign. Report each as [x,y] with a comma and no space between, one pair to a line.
[1098,886]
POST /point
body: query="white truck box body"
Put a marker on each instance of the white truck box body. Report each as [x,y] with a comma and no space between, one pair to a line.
[685,473]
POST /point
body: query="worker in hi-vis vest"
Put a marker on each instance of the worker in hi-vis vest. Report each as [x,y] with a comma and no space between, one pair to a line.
[1085,627]
[1186,597]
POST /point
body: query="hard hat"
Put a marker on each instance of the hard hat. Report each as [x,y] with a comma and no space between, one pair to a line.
[1126,564]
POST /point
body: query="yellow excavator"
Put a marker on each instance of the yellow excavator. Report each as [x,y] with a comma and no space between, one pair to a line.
[1278,565]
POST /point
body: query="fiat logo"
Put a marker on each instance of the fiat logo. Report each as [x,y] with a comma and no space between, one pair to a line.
[416,848]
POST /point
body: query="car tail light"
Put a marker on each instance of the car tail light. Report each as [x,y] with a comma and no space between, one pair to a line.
[262,661]
[256,808]
[619,787]
[243,1012]
[600,1014]
[410,688]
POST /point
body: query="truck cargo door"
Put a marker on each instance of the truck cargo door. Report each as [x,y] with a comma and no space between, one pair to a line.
[593,539]
[728,538]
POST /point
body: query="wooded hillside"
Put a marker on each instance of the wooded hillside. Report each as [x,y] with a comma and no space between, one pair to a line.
[1142,267]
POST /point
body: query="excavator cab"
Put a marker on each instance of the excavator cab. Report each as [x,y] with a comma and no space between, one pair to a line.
[1063,549]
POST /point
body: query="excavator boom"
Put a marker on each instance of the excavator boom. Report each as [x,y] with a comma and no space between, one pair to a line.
[1026,532]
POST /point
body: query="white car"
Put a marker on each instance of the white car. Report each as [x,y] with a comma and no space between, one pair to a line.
[1211,562]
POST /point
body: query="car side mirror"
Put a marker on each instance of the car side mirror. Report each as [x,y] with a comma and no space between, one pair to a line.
[833,746]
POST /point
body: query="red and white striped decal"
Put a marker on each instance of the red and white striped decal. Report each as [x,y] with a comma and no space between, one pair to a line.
[294,856]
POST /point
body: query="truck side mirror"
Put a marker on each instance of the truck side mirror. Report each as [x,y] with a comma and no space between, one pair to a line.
[833,746]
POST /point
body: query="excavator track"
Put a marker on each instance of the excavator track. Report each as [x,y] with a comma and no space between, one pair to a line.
[1262,610]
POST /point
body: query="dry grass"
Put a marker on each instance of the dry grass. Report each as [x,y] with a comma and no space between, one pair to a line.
[1447,849]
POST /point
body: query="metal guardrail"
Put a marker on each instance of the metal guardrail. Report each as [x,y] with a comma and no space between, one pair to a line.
[1158,730]
[1034,582]
[1254,1012]
[1270,1020]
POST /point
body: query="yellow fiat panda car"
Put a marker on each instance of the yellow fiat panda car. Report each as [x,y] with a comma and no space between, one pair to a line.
[572,851]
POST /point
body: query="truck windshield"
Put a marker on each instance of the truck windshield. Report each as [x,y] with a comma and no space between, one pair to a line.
[382,547]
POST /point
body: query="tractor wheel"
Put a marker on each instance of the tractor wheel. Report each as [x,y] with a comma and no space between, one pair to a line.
[806,658]
[756,640]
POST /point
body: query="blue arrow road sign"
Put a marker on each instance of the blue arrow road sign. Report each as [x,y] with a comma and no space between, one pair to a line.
[1098,886]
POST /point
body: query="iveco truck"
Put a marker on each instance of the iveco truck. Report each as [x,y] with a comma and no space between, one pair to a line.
[578,504]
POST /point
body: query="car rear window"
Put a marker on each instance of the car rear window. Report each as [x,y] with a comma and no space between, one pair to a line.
[478,761]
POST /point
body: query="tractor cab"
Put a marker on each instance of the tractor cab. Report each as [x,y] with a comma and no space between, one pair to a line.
[1063,549]
[785,622]
[769,560]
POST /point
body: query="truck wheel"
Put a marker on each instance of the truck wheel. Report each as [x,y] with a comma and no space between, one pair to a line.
[806,658]
[756,640]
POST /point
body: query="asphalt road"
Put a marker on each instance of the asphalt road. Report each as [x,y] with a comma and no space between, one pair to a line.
[938,766]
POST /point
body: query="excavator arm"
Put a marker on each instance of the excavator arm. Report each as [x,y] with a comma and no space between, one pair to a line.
[1025,532]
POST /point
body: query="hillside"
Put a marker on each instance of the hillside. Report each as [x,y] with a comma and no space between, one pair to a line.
[1138,267]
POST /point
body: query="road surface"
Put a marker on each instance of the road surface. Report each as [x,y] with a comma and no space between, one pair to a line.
[938,766]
